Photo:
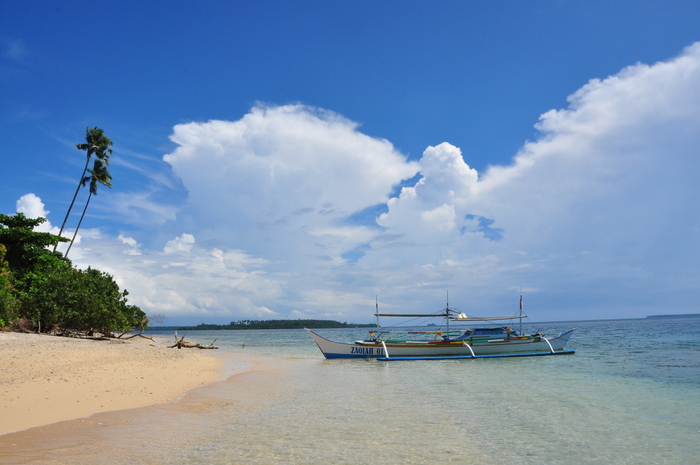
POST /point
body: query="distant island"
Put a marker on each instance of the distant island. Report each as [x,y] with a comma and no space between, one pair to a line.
[682,315]
[276,324]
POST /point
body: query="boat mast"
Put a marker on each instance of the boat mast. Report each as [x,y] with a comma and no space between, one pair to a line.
[520,331]
[376,310]
[447,315]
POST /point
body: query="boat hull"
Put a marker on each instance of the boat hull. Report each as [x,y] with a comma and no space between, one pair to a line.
[362,349]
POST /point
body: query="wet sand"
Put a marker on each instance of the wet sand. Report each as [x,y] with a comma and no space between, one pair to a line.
[47,379]
[169,432]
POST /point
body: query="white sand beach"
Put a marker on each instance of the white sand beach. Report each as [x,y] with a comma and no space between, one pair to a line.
[46,379]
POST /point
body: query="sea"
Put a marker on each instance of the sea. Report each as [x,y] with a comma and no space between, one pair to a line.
[629,395]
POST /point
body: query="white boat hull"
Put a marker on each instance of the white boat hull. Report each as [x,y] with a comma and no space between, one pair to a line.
[362,349]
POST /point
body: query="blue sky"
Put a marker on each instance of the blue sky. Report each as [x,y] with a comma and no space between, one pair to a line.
[261,149]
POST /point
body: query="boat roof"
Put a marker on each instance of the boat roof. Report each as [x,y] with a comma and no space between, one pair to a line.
[485,318]
[457,317]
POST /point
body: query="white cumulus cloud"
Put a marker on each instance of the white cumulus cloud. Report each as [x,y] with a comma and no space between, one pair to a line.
[32,206]
[282,180]
[596,216]
[183,243]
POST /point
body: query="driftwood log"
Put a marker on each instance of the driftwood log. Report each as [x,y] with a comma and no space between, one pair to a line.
[180,343]
[131,336]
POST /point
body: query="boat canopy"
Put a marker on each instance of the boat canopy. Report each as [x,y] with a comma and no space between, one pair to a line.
[464,317]
[412,315]
[456,317]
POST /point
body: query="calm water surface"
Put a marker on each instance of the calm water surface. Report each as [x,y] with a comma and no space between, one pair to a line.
[630,395]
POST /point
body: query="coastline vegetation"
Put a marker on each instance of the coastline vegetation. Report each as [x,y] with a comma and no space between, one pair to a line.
[677,315]
[41,290]
[276,324]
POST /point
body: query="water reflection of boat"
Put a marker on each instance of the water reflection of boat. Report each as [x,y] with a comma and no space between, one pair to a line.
[476,342]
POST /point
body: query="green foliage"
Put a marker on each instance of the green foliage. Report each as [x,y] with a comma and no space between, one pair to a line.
[8,302]
[42,286]
[25,247]
[83,300]
[98,144]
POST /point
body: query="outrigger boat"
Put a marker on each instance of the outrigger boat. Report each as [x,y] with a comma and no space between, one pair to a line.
[478,342]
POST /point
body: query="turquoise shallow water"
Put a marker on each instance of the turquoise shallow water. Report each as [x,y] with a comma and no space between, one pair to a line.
[630,395]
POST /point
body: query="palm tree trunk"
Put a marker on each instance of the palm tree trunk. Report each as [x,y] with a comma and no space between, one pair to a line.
[80,184]
[79,223]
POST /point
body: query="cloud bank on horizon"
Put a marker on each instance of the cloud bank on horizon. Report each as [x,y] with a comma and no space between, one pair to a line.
[293,212]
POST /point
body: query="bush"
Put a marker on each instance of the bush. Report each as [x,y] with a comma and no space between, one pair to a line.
[8,302]
[42,289]
[88,301]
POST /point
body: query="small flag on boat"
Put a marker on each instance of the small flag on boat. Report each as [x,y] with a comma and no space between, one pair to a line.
[521,301]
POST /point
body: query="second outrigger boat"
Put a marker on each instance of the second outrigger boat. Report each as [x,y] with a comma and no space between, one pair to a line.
[478,342]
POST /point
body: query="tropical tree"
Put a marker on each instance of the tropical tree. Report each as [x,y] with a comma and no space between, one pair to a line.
[8,301]
[43,287]
[26,249]
[95,143]
[26,259]
[42,293]
[98,175]
[80,300]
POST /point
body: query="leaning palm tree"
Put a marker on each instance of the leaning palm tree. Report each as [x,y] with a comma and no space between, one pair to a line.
[95,143]
[98,175]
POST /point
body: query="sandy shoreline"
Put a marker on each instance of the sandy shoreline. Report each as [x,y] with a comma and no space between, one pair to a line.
[46,379]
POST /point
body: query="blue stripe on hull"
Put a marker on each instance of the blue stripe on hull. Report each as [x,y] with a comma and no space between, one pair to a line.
[453,357]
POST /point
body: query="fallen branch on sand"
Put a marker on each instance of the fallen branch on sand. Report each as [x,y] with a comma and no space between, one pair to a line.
[142,327]
[131,336]
[180,343]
